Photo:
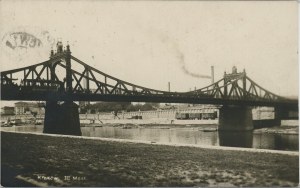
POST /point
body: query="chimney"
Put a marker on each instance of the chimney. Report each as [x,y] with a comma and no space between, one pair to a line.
[212,75]
[169,86]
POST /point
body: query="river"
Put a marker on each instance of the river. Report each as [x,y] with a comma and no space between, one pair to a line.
[186,136]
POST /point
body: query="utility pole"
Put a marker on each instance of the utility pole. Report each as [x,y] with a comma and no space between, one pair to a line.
[212,75]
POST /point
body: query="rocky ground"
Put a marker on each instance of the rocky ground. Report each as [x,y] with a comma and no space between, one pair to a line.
[279,130]
[158,126]
[42,160]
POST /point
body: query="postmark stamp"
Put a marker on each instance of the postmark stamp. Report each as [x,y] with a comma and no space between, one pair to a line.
[18,44]
[16,40]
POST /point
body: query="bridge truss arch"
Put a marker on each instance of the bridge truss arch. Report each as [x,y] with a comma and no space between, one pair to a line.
[80,82]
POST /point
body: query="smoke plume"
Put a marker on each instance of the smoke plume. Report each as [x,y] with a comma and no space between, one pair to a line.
[173,47]
[180,58]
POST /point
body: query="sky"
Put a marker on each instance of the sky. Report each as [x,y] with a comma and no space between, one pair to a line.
[151,43]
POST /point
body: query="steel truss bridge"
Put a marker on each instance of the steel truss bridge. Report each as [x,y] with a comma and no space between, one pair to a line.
[65,78]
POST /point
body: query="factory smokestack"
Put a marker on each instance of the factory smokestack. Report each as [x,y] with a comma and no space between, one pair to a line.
[169,86]
[212,75]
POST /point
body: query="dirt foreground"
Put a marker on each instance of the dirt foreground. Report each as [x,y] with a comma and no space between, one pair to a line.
[41,160]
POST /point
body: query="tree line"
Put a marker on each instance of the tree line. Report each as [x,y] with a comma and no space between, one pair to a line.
[117,107]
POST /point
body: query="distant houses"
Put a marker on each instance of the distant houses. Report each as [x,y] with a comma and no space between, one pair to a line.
[7,110]
[22,108]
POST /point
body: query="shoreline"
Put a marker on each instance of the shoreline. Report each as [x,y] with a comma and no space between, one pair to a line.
[283,129]
[227,148]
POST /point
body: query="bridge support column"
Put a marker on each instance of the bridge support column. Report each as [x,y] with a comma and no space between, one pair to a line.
[62,119]
[235,118]
[53,118]
[236,138]
[284,113]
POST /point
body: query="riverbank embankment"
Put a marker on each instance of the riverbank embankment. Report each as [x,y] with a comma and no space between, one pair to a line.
[68,161]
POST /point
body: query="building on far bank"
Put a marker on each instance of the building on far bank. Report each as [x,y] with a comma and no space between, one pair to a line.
[7,110]
[28,108]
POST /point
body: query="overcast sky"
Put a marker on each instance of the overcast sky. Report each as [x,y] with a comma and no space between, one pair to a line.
[151,43]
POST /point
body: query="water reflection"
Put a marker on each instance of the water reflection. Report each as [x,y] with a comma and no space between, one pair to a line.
[276,141]
[286,142]
[29,128]
[186,136]
[177,136]
[236,138]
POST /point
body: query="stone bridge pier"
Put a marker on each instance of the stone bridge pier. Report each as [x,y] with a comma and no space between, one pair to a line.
[235,118]
[285,113]
[280,113]
[239,118]
[62,119]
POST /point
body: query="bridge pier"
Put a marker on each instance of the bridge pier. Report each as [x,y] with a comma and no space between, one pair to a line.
[235,118]
[53,116]
[236,138]
[280,113]
[284,113]
[62,119]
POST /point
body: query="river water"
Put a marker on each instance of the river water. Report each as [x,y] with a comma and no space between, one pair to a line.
[186,136]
